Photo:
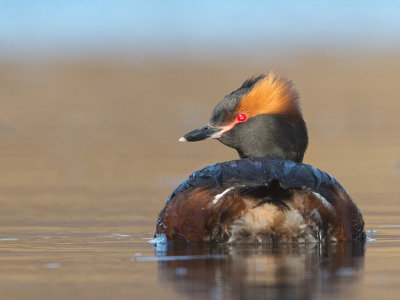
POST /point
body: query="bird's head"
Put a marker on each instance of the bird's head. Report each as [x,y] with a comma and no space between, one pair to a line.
[262,118]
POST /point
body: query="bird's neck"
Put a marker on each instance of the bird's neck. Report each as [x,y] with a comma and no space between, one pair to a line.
[274,137]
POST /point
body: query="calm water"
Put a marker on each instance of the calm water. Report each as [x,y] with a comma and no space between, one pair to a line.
[65,263]
[89,153]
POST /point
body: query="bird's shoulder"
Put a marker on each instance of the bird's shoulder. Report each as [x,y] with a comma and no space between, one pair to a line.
[252,172]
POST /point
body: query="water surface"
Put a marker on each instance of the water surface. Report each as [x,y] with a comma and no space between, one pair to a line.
[89,154]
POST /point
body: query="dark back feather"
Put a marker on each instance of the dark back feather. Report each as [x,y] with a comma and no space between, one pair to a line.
[261,171]
[253,175]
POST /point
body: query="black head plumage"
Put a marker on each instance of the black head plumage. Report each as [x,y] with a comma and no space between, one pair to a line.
[262,118]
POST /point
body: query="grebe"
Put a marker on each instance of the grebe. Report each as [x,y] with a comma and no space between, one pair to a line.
[268,195]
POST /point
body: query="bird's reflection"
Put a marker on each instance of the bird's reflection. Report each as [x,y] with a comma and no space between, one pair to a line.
[260,272]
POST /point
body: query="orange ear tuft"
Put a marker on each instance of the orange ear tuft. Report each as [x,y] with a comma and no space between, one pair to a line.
[271,95]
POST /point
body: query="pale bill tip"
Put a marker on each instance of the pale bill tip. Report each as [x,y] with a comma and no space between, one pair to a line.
[182,139]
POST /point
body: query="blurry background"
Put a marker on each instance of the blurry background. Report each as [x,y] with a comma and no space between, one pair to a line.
[95,94]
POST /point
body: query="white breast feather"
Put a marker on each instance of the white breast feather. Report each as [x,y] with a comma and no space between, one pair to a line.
[323,200]
[219,196]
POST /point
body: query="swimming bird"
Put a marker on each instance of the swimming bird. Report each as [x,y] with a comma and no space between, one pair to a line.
[268,195]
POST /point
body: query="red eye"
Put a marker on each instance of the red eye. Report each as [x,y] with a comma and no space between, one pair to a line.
[241,117]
